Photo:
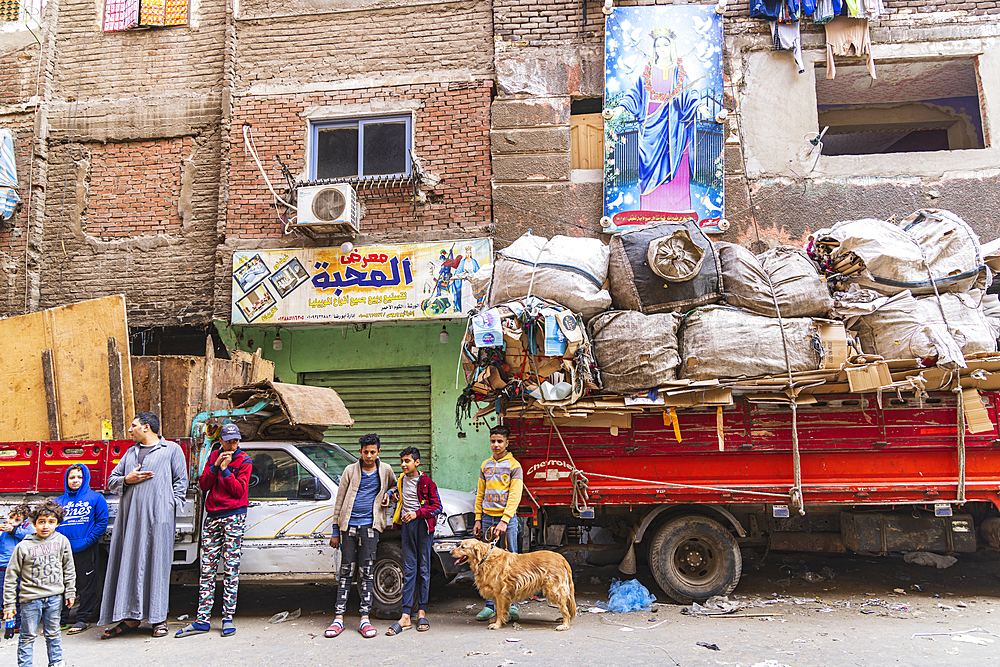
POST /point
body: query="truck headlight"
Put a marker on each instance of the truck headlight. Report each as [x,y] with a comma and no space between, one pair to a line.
[457,523]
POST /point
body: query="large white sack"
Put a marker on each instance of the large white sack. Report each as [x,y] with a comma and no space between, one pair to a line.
[567,270]
[724,342]
[928,244]
[635,352]
[747,281]
[904,327]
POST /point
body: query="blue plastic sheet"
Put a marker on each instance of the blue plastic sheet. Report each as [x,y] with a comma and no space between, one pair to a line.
[628,596]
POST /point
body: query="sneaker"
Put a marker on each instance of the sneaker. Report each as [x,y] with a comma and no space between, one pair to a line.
[513,614]
[486,614]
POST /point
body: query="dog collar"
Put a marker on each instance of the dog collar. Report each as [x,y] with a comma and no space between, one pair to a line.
[492,545]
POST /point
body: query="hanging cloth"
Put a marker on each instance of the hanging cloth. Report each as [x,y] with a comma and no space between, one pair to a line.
[848,37]
[788,37]
[8,175]
[826,10]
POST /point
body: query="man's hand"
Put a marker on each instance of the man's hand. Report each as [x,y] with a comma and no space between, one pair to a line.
[385,500]
[7,615]
[69,603]
[225,458]
[138,475]
[335,541]
[408,517]
[500,528]
[6,527]
[477,528]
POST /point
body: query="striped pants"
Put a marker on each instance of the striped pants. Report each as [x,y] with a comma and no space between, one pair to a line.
[220,535]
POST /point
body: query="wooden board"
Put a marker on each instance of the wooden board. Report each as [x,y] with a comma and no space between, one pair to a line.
[185,388]
[78,338]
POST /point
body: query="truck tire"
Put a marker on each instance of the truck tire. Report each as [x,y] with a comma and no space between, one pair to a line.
[693,558]
[387,573]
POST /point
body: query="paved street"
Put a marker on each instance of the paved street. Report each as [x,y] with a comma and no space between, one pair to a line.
[866,615]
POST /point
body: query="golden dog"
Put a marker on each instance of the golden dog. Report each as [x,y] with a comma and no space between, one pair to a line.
[506,578]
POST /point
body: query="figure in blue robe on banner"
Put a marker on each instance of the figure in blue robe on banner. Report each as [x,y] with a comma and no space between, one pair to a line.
[661,100]
[467,265]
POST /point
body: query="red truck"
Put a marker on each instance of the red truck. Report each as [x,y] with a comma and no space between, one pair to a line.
[877,474]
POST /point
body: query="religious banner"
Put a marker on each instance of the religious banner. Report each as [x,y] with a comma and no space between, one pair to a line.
[409,281]
[664,114]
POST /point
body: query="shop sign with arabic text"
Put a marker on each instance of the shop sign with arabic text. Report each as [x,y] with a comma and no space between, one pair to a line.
[409,281]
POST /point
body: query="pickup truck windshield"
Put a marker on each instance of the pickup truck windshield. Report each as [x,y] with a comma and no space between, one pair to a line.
[328,456]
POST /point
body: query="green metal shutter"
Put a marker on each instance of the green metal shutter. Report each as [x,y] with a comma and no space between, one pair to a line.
[393,402]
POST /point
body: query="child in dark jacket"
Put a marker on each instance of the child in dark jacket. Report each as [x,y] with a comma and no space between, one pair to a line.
[416,511]
[85,521]
[226,483]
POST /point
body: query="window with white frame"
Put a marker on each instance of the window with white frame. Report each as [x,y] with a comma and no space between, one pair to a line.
[360,147]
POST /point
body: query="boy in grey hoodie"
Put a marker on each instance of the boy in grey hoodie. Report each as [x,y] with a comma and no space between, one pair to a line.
[43,563]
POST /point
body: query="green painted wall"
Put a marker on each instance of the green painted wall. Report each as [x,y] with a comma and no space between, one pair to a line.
[456,460]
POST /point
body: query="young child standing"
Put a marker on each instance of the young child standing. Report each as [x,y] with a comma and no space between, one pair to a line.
[43,564]
[358,521]
[226,481]
[417,510]
[85,522]
[498,494]
[14,529]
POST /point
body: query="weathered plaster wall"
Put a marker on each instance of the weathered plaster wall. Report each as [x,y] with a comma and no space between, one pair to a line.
[549,53]
[456,460]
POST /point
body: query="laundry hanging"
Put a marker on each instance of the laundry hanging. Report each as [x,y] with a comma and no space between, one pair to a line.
[788,37]
[848,37]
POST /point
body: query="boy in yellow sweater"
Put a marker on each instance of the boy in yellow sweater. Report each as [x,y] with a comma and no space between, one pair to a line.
[498,494]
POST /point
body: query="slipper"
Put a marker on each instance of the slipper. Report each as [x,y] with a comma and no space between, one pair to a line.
[161,629]
[366,630]
[396,628]
[196,628]
[117,630]
[228,627]
[335,629]
[423,625]
[77,627]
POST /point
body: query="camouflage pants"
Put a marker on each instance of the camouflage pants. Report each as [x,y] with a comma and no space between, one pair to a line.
[357,552]
[220,536]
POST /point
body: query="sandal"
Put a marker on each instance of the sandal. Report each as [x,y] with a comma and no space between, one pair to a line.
[77,627]
[423,625]
[161,629]
[396,628]
[335,629]
[196,628]
[367,630]
[117,630]
[228,627]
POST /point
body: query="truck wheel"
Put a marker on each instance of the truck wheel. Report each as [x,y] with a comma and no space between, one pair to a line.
[693,558]
[387,600]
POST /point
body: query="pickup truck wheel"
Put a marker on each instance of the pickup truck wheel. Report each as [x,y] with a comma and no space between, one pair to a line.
[694,558]
[387,573]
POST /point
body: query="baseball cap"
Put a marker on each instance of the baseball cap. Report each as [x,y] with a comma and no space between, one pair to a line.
[230,432]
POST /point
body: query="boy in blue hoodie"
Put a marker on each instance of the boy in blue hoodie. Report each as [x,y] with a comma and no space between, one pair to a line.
[85,522]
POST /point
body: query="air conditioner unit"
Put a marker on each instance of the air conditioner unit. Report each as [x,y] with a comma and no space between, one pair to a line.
[327,210]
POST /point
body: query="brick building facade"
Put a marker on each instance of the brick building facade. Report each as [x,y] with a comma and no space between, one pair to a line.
[135,178]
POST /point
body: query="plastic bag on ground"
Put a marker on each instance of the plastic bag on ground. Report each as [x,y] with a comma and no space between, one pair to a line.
[929,559]
[568,270]
[626,596]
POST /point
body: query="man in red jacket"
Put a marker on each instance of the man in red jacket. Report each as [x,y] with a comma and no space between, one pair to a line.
[226,482]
